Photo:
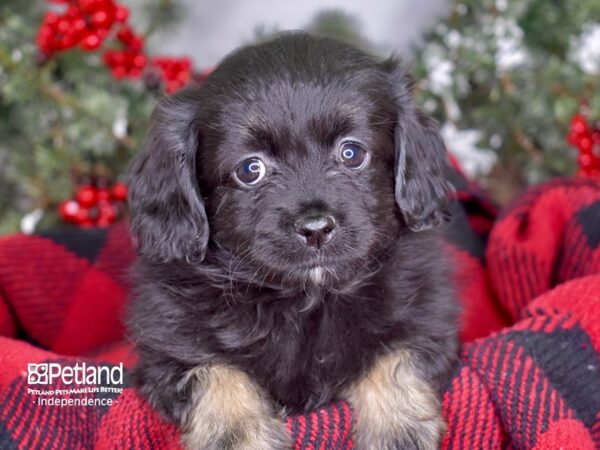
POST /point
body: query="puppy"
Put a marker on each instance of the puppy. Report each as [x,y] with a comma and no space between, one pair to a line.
[285,217]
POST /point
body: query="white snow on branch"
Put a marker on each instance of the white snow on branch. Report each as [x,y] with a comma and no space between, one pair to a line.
[585,49]
[474,160]
[439,72]
[440,80]
[30,220]
[510,51]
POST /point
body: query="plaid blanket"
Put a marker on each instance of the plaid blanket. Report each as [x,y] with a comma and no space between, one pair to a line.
[529,370]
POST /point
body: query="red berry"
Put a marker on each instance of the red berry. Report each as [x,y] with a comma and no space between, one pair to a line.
[573,138]
[125,35]
[185,64]
[103,195]
[584,161]
[102,33]
[183,77]
[91,42]
[579,123]
[68,210]
[121,14]
[119,72]
[43,43]
[139,61]
[100,19]
[81,215]
[175,72]
[87,197]
[119,192]
[50,18]
[110,57]
[63,25]
[68,42]
[88,5]
[137,43]
[73,11]
[585,144]
[79,24]
[172,86]
[107,216]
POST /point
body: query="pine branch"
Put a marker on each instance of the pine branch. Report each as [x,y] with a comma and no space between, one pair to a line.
[518,134]
[56,94]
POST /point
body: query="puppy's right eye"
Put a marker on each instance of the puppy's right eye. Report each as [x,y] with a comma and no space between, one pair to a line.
[250,172]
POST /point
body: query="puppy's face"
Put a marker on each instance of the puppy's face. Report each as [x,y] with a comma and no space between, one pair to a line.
[302,157]
[299,180]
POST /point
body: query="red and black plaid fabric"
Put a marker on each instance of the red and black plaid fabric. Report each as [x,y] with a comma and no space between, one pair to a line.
[529,369]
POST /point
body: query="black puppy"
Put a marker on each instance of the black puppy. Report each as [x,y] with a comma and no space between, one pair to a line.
[284,217]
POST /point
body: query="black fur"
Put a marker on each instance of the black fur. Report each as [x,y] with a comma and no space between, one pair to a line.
[222,276]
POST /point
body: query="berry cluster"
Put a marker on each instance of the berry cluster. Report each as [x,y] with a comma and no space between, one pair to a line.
[89,23]
[175,73]
[86,23]
[130,61]
[95,205]
[586,139]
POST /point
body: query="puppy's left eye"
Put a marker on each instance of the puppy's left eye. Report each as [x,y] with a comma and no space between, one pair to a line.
[353,155]
[250,171]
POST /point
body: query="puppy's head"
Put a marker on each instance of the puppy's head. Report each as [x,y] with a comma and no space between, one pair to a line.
[304,158]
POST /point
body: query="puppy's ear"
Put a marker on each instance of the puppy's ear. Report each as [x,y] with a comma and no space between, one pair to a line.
[422,166]
[168,220]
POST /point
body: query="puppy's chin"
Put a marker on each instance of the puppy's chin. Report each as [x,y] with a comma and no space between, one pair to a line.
[323,274]
[301,277]
[321,277]
[317,275]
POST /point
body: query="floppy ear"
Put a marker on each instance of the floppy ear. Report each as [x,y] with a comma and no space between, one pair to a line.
[168,220]
[422,166]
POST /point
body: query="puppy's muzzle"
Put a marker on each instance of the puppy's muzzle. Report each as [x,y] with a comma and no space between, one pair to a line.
[315,230]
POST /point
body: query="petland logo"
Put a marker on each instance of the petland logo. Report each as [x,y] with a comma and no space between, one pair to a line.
[80,373]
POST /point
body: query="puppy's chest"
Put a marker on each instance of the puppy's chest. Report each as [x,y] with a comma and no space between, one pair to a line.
[308,356]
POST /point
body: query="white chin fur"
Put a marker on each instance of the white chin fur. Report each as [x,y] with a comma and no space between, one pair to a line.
[316,275]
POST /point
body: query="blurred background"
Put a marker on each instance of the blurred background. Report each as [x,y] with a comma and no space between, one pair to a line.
[514,84]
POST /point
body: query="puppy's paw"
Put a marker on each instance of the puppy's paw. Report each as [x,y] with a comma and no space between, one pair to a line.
[417,435]
[396,408]
[230,412]
[251,433]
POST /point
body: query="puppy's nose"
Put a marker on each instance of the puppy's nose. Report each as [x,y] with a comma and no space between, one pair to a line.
[315,230]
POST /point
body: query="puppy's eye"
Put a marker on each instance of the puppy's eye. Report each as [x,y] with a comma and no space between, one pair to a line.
[353,155]
[250,171]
